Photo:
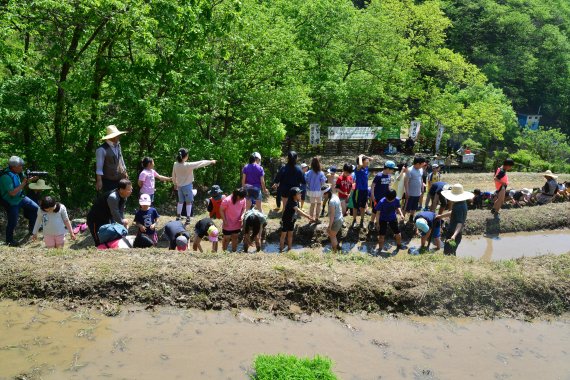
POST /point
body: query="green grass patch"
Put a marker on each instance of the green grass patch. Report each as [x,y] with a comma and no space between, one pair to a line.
[288,367]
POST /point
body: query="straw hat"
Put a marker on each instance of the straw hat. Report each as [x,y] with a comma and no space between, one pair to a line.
[457,194]
[39,185]
[112,131]
[548,173]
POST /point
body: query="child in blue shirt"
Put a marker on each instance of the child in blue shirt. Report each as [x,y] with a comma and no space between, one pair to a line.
[387,211]
[381,185]
[146,218]
[361,192]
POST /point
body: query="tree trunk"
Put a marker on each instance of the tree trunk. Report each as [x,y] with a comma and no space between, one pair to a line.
[59,111]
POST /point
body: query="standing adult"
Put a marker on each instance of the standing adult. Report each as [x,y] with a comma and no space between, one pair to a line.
[501,182]
[110,168]
[12,184]
[413,185]
[289,176]
[458,216]
[253,181]
[109,208]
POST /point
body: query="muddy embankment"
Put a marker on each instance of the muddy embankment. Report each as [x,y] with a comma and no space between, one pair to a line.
[291,284]
[479,222]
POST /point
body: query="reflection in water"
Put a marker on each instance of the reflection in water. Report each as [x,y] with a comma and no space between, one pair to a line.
[192,344]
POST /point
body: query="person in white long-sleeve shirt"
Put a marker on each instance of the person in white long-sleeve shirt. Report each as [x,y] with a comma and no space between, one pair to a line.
[183,176]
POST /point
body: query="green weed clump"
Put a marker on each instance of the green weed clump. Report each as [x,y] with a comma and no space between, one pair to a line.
[289,367]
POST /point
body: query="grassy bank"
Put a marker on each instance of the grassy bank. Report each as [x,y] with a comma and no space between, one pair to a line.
[290,284]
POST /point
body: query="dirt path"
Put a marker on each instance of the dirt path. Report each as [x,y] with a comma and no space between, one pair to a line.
[291,284]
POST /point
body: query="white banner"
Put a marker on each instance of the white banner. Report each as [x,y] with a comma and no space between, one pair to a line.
[354,133]
[440,130]
[315,134]
[415,129]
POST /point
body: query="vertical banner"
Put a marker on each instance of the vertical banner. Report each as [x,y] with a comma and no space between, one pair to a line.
[315,134]
[440,130]
[415,129]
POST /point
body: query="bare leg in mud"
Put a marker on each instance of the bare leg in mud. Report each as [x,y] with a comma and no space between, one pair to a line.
[289,236]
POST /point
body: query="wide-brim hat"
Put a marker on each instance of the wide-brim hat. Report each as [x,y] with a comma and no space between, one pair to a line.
[112,132]
[457,194]
[40,184]
[548,173]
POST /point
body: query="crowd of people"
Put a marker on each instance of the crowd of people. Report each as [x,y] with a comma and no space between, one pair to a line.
[413,194]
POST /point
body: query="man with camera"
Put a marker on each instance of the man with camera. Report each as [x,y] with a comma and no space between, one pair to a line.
[12,184]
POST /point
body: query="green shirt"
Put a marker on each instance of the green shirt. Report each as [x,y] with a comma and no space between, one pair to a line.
[9,182]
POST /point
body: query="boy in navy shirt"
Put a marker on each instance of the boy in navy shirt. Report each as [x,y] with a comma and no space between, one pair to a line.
[361,192]
[387,210]
[381,185]
[146,218]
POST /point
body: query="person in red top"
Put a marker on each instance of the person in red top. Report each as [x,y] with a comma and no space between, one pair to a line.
[216,198]
[501,182]
[344,186]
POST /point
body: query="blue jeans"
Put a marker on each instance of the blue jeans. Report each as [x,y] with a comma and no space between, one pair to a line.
[185,194]
[30,212]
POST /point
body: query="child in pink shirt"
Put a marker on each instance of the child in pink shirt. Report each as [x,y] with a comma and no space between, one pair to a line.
[147,176]
[232,210]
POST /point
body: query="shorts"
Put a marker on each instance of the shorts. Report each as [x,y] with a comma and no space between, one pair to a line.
[51,241]
[337,225]
[315,196]
[412,203]
[442,199]
[230,232]
[253,193]
[201,234]
[384,227]
[287,225]
[185,194]
[360,198]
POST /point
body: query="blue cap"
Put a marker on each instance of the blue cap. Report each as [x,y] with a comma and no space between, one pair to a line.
[390,165]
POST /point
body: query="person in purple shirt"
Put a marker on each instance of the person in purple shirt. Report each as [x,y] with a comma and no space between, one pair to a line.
[253,181]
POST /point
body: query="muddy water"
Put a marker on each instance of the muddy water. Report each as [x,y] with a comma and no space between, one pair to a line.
[192,344]
[505,246]
[514,245]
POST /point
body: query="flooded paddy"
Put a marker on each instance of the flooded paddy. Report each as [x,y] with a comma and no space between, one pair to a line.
[172,343]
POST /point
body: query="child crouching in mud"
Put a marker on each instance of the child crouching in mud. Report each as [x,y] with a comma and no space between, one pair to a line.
[289,217]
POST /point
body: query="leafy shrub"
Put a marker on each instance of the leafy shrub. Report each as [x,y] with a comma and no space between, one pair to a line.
[288,367]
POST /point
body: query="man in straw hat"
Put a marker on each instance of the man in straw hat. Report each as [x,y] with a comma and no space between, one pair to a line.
[110,167]
[458,215]
[12,184]
[549,190]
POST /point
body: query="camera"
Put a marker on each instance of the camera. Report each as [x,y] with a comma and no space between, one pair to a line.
[34,173]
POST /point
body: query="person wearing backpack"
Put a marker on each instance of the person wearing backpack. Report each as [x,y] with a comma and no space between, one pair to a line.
[109,208]
[12,184]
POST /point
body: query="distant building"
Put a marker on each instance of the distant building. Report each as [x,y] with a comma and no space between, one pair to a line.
[529,121]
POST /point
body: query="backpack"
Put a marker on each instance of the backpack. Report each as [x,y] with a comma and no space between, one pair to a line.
[143,241]
[110,232]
